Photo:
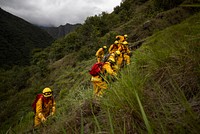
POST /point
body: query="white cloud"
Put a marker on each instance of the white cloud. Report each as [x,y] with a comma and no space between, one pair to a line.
[57,12]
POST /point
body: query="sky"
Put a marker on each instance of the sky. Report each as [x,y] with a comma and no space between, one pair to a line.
[57,12]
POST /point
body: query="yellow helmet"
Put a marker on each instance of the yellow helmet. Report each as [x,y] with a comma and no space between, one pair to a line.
[104,47]
[116,42]
[117,52]
[47,92]
[125,35]
[111,60]
[125,43]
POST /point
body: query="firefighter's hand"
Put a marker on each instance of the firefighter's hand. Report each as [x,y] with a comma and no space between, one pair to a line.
[43,119]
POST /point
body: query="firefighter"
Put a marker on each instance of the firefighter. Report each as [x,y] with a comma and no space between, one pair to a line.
[100,53]
[100,81]
[121,56]
[126,52]
[117,65]
[121,38]
[110,68]
[45,106]
[113,47]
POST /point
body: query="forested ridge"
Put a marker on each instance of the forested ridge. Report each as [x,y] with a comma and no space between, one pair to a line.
[18,38]
[157,93]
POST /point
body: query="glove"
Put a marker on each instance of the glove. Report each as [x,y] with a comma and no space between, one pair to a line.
[43,119]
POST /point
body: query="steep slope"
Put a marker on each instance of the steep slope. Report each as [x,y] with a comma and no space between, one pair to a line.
[18,38]
[157,93]
[62,30]
[154,68]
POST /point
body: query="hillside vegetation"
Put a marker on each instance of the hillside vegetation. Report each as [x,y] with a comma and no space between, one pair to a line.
[157,93]
[18,38]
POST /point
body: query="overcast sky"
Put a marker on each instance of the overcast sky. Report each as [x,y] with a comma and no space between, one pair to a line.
[57,12]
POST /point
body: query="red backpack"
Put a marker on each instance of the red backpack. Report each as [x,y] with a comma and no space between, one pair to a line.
[96,69]
[35,101]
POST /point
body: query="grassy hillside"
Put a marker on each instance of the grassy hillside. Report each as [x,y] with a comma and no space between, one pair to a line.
[18,38]
[157,93]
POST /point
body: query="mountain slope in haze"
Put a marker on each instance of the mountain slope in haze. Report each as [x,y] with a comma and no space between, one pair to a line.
[62,30]
[18,38]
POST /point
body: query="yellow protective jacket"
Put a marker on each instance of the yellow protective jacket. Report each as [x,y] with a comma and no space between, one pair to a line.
[97,78]
[113,48]
[100,53]
[107,68]
[124,49]
[44,107]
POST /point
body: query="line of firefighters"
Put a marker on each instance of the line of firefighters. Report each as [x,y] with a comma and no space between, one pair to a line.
[118,53]
[118,56]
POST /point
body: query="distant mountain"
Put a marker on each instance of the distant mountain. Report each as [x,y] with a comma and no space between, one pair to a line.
[62,30]
[18,38]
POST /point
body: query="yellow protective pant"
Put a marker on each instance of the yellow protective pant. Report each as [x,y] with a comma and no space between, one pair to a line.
[119,61]
[116,68]
[37,121]
[99,87]
[127,59]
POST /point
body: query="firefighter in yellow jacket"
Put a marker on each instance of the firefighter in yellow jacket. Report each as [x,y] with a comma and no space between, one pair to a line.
[45,107]
[100,53]
[121,38]
[100,82]
[108,67]
[113,47]
[121,57]
[117,60]
[126,52]
[113,60]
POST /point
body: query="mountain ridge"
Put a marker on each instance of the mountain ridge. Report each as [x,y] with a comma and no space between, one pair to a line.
[60,31]
[18,38]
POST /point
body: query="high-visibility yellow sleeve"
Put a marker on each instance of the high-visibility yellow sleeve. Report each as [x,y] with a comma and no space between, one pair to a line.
[54,107]
[96,78]
[39,108]
[99,52]
[110,48]
[108,69]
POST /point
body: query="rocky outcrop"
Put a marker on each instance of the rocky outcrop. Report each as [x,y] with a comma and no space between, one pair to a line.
[62,30]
